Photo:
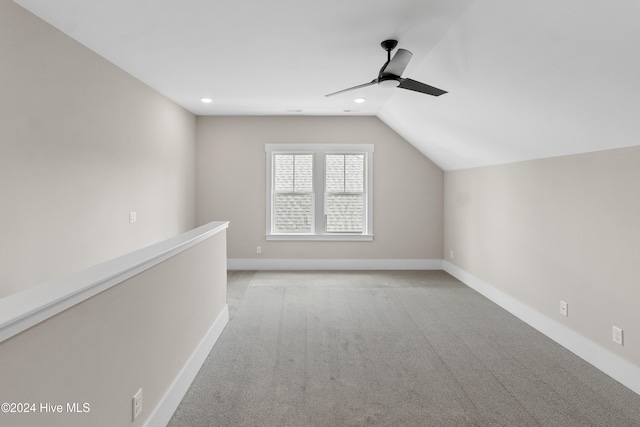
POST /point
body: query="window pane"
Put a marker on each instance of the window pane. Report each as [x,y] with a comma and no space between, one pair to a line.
[283,173]
[334,173]
[354,179]
[293,173]
[303,173]
[344,173]
[293,212]
[345,213]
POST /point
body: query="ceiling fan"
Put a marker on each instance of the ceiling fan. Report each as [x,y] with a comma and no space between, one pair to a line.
[389,75]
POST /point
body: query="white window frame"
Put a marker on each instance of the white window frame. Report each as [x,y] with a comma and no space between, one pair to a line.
[319,151]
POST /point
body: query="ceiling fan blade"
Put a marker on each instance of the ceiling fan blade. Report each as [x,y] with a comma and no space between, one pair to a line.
[420,87]
[372,82]
[398,63]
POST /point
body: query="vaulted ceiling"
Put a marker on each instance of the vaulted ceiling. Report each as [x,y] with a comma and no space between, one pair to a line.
[526,79]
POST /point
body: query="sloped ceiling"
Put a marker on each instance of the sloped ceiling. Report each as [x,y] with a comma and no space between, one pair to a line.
[526,79]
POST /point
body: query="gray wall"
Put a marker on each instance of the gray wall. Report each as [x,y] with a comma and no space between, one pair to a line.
[565,228]
[82,143]
[408,188]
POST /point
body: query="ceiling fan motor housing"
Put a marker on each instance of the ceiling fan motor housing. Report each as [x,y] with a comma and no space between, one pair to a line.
[388,80]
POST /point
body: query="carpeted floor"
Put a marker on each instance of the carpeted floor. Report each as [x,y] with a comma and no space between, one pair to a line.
[403,348]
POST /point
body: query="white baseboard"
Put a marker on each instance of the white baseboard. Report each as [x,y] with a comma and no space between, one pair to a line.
[163,412]
[333,264]
[611,364]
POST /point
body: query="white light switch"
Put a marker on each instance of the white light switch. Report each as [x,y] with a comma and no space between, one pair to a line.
[132,217]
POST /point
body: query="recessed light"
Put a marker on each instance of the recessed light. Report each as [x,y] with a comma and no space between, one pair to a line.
[359,100]
[206,100]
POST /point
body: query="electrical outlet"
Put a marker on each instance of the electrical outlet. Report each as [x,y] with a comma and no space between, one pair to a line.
[136,404]
[132,217]
[451,254]
[564,308]
[618,335]
[258,249]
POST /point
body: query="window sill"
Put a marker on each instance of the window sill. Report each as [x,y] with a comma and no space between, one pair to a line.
[322,237]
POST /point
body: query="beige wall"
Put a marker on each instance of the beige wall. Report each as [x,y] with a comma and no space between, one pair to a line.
[81,144]
[565,228]
[408,188]
[86,354]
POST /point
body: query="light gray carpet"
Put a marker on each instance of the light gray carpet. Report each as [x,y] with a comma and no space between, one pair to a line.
[407,348]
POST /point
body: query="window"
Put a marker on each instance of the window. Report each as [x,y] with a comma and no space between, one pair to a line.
[319,192]
[293,193]
[344,193]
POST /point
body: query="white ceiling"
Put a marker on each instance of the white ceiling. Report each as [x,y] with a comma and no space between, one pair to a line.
[526,79]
